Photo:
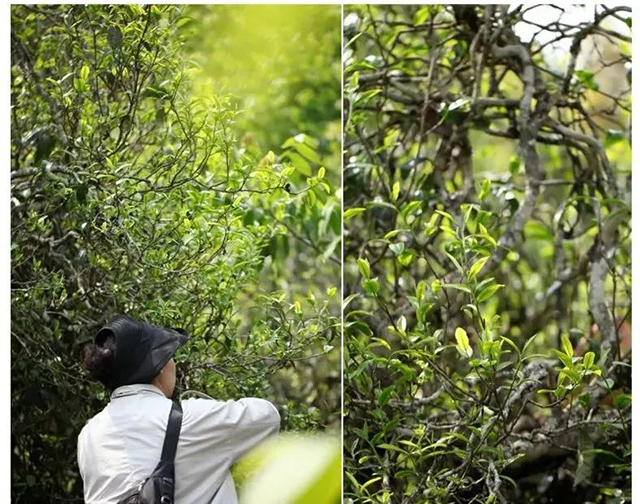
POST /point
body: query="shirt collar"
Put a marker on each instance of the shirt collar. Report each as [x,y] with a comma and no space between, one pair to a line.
[137,388]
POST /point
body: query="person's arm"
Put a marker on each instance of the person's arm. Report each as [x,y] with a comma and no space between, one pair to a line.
[238,425]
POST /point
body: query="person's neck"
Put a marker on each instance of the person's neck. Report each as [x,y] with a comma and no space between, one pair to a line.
[159,385]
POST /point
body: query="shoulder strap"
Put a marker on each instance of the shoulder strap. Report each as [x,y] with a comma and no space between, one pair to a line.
[173,433]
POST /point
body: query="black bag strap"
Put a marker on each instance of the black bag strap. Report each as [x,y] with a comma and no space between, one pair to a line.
[173,433]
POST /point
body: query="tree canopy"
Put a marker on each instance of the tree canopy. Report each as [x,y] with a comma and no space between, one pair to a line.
[487,172]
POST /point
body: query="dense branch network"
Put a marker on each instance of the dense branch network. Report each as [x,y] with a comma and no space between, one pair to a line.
[426,91]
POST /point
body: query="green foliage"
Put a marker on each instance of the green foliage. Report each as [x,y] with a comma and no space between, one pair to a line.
[281,64]
[131,193]
[265,474]
[478,261]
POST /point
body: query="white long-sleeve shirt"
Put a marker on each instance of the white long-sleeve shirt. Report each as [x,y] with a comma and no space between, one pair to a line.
[120,446]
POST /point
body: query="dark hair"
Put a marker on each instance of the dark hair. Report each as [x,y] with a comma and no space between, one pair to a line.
[100,357]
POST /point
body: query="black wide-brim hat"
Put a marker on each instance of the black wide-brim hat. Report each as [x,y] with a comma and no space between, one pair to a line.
[142,349]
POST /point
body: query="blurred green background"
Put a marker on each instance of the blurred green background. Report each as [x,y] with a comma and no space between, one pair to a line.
[280,62]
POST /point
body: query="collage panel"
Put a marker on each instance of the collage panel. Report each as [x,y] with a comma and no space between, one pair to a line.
[175,240]
[487,253]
